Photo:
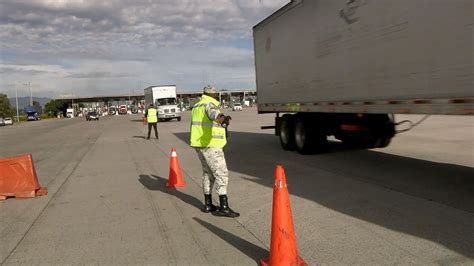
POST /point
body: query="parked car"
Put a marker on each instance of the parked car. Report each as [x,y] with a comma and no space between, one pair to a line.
[237,107]
[92,116]
[8,121]
[2,121]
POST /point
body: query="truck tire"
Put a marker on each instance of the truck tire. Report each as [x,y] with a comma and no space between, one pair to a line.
[179,118]
[380,133]
[368,141]
[308,138]
[287,132]
[383,142]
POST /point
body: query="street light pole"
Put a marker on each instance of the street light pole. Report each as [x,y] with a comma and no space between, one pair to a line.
[17,112]
[31,94]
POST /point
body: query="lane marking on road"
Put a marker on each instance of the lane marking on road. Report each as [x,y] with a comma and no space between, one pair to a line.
[162,227]
[53,197]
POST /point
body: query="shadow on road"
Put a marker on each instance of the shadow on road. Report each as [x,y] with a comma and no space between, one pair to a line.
[156,183]
[251,250]
[139,137]
[336,180]
[136,120]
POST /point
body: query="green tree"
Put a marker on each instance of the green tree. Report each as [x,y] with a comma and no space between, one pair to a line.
[54,107]
[5,107]
[38,107]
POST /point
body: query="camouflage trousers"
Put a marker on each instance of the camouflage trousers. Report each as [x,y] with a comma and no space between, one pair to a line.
[214,170]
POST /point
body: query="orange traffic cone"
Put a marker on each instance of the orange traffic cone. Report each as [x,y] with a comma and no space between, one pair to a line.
[18,178]
[145,122]
[175,177]
[283,250]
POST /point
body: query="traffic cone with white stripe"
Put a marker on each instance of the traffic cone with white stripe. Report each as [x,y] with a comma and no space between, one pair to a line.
[175,178]
[283,249]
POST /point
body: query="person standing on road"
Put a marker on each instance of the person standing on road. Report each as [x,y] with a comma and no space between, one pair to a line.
[151,115]
[208,137]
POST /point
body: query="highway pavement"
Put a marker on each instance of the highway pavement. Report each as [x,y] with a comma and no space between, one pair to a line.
[410,203]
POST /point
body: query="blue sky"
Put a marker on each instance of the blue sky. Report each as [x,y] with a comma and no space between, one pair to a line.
[86,47]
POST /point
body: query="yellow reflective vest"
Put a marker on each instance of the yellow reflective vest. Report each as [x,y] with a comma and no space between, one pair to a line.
[152,116]
[204,132]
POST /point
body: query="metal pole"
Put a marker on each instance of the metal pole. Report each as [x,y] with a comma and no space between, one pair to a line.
[31,94]
[17,112]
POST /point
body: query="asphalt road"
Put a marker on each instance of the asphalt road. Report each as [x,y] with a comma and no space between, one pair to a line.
[411,203]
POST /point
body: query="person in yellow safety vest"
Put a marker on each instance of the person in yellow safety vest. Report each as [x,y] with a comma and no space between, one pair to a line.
[151,115]
[208,137]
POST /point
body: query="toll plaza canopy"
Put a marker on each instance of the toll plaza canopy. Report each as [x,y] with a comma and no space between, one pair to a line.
[108,98]
[225,95]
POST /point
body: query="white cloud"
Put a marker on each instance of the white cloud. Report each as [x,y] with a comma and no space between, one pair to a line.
[103,44]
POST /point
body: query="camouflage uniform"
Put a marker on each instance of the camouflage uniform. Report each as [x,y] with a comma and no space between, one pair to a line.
[213,161]
[214,170]
[208,136]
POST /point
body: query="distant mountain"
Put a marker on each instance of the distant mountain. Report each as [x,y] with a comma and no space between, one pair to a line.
[25,101]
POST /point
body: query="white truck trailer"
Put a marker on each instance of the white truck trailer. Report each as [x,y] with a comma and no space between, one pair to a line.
[164,99]
[342,67]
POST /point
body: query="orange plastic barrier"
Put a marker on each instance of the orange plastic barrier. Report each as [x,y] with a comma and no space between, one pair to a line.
[175,178]
[18,178]
[283,250]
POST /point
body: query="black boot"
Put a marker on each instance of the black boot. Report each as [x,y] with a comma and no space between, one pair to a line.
[224,209]
[208,206]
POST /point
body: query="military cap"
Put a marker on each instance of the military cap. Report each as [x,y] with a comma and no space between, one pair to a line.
[210,89]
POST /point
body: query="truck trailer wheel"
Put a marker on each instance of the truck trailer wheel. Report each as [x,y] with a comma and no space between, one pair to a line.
[368,141]
[287,132]
[308,138]
[380,130]
[383,142]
